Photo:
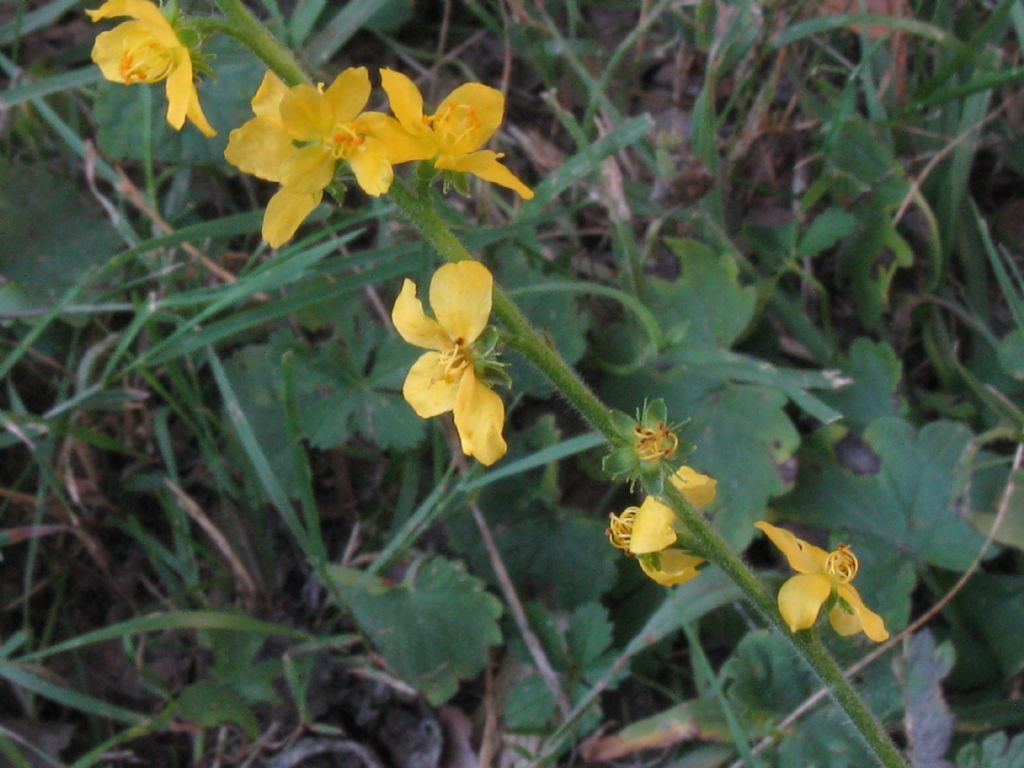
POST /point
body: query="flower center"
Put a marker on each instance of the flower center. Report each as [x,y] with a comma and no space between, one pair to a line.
[654,444]
[842,564]
[454,361]
[344,139]
[620,529]
[146,62]
[457,125]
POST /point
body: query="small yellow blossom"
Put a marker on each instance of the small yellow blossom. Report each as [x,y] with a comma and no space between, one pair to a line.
[298,135]
[453,135]
[649,530]
[445,378]
[820,575]
[147,50]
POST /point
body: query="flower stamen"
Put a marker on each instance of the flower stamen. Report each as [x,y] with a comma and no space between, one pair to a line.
[457,123]
[654,444]
[620,528]
[344,139]
[841,564]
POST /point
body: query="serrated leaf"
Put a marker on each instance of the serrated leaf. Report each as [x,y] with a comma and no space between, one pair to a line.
[876,372]
[1011,353]
[706,301]
[537,551]
[996,751]
[434,629]
[991,604]
[589,635]
[51,234]
[208,703]
[904,511]
[529,706]
[825,231]
[254,373]
[555,315]
[927,719]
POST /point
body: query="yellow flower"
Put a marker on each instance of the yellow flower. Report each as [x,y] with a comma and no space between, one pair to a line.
[147,50]
[820,575]
[297,136]
[445,379]
[649,531]
[453,135]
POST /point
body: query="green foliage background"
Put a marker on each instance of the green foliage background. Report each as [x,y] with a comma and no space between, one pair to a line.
[797,225]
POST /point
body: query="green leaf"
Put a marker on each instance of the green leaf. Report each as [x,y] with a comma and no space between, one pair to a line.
[928,721]
[589,635]
[991,604]
[566,553]
[208,703]
[555,315]
[1011,353]
[529,706]
[254,374]
[765,678]
[996,751]
[825,231]
[706,302]
[51,234]
[906,510]
[875,371]
[120,112]
[434,629]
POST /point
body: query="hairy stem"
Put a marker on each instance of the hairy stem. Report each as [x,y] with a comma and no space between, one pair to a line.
[528,342]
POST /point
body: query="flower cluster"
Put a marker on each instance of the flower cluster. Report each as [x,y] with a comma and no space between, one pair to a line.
[650,530]
[300,134]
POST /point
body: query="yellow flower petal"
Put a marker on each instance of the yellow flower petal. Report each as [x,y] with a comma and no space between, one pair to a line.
[180,91]
[698,489]
[285,212]
[427,389]
[479,418]
[196,116]
[652,528]
[460,295]
[801,598]
[109,48]
[371,167]
[862,618]
[266,102]
[412,322]
[259,147]
[671,567]
[348,94]
[802,557]
[309,169]
[143,10]
[486,165]
[402,146]
[488,105]
[405,99]
[305,113]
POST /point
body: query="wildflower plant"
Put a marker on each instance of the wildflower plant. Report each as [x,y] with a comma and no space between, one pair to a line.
[310,137]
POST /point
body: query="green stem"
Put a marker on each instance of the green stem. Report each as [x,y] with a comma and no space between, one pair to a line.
[251,32]
[528,342]
[253,35]
[522,337]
